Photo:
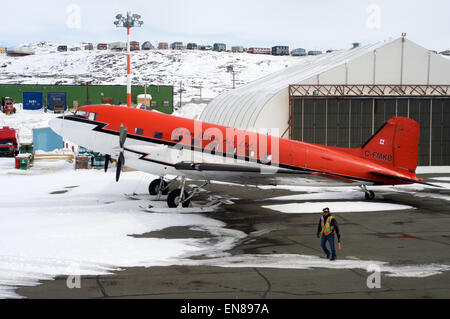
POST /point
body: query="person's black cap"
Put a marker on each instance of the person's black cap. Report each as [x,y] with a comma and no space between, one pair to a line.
[326,209]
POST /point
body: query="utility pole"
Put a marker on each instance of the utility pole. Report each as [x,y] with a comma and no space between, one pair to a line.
[181,90]
[231,70]
[128,22]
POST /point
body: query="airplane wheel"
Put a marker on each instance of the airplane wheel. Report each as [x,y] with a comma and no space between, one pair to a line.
[153,188]
[173,200]
[370,195]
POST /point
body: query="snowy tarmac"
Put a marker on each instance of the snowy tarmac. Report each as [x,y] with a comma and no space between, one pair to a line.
[58,222]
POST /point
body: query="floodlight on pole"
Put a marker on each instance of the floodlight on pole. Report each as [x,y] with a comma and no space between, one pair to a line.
[128,22]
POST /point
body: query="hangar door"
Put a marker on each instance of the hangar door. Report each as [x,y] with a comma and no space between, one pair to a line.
[350,122]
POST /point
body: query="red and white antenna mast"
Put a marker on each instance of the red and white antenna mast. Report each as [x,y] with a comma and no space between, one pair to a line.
[128,22]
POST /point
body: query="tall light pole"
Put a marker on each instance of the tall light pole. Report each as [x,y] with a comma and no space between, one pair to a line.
[128,22]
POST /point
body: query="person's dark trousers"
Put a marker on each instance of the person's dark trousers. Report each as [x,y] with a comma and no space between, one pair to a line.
[323,243]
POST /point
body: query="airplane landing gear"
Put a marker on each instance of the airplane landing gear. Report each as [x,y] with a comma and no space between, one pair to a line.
[370,195]
[180,197]
[157,186]
[160,186]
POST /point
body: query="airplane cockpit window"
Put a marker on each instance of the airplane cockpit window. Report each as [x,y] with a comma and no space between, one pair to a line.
[81,113]
[92,116]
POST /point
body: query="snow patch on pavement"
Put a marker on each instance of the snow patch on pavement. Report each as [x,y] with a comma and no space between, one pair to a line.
[287,261]
[336,207]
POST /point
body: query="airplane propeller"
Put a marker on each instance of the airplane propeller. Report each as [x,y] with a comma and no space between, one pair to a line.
[107,160]
[121,160]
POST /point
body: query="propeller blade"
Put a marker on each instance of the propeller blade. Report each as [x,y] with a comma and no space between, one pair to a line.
[107,160]
[122,136]
[120,162]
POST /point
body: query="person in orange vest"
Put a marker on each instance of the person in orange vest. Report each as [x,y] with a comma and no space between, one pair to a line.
[327,226]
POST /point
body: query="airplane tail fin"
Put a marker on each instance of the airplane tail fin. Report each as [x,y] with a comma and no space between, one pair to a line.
[395,145]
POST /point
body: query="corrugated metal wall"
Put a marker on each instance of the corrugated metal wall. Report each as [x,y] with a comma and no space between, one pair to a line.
[117,93]
[349,122]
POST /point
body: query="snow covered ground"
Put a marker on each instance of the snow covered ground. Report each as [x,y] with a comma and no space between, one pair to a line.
[156,67]
[61,220]
[58,221]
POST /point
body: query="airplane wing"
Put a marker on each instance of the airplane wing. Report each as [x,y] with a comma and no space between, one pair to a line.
[212,167]
[287,175]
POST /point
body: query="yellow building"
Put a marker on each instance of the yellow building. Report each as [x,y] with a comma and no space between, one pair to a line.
[2,50]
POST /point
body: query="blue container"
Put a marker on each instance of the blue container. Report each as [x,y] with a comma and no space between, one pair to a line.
[32,100]
[56,99]
[44,139]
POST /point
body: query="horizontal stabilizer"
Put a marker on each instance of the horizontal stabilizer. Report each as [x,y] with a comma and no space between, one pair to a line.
[403,179]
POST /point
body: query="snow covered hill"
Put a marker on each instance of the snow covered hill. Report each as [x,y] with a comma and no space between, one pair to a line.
[164,67]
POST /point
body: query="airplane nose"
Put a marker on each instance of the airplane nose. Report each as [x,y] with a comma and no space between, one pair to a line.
[56,125]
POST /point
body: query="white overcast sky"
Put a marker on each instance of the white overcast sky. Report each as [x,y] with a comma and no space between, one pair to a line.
[308,24]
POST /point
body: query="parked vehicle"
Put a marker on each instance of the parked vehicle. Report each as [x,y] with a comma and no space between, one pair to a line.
[8,105]
[8,142]
[62,48]
[102,46]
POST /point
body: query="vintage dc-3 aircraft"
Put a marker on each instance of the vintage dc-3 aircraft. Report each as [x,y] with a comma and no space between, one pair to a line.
[166,145]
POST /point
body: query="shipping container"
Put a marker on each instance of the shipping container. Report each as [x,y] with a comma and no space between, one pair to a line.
[89,46]
[32,100]
[57,101]
[80,95]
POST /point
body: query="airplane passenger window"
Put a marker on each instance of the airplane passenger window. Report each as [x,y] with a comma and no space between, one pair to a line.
[158,135]
[92,116]
[139,131]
